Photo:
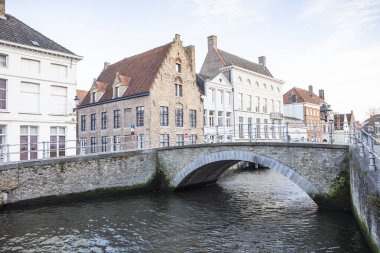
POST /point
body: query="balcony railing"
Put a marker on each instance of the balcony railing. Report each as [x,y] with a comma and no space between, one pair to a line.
[276,115]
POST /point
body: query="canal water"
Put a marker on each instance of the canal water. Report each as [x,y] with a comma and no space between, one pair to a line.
[249,211]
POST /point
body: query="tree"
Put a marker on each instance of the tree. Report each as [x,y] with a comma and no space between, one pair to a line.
[372,110]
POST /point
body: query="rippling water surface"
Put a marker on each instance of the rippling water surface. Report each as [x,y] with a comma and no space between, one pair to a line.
[250,211]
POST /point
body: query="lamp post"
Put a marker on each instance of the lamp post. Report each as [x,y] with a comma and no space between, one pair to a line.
[325,116]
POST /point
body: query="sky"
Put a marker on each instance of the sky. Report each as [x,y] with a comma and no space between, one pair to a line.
[330,44]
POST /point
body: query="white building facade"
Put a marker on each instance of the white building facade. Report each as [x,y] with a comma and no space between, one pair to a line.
[257,99]
[37,91]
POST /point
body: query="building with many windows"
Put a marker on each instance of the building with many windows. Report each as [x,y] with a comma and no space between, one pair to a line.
[143,101]
[37,90]
[305,105]
[243,101]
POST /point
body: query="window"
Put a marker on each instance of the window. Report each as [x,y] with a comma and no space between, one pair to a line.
[93,144]
[30,97]
[93,96]
[240,101]
[116,119]
[228,97]
[279,105]
[265,106]
[273,105]
[193,118]
[83,123]
[205,118]
[241,127]
[271,87]
[128,117]
[3,94]
[140,141]
[193,139]
[117,92]
[266,133]
[257,84]
[28,142]
[117,143]
[164,116]
[249,103]
[3,60]
[57,141]
[3,134]
[211,118]
[212,93]
[83,145]
[220,119]
[164,140]
[104,143]
[140,116]
[180,140]
[294,98]
[178,67]
[104,121]
[248,81]
[93,122]
[58,70]
[58,96]
[220,97]
[265,86]
[228,119]
[250,128]
[179,117]
[258,128]
[257,104]
[30,66]
[278,89]
[178,90]
[240,79]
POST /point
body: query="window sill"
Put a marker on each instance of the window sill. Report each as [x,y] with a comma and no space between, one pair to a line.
[4,111]
[31,113]
[52,114]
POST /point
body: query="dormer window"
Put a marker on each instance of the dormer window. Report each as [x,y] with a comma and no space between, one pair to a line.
[178,67]
[117,91]
[93,96]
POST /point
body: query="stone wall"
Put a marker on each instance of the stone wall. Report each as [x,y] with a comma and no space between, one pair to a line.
[57,177]
[365,195]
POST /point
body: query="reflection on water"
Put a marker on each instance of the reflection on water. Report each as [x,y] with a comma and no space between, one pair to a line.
[245,212]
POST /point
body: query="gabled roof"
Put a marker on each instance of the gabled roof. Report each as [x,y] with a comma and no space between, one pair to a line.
[81,94]
[217,59]
[302,97]
[140,69]
[13,30]
[201,83]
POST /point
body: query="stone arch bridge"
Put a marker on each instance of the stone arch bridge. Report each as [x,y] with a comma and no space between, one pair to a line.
[321,170]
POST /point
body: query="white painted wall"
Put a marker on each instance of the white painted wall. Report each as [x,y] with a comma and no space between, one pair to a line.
[16,114]
[295,110]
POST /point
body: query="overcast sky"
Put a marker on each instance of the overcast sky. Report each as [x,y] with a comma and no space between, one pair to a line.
[332,45]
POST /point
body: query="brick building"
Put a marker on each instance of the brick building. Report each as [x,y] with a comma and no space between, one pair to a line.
[147,100]
[305,105]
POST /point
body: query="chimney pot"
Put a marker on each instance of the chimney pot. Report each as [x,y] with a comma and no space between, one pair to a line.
[2,8]
[310,90]
[212,42]
[263,61]
[106,64]
[322,94]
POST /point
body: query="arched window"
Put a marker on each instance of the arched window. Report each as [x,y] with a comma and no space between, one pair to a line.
[240,79]
[257,84]
[249,81]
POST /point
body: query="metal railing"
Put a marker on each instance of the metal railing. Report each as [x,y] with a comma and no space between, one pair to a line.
[255,132]
[367,142]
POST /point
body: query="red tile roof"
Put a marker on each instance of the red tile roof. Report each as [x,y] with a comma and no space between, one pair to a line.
[302,97]
[138,71]
[81,94]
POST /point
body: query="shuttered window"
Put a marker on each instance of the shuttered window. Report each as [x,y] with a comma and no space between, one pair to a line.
[58,97]
[30,97]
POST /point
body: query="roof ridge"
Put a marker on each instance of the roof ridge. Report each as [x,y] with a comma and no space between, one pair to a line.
[50,40]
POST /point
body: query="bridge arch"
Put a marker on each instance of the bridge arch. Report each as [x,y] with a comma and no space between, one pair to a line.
[228,158]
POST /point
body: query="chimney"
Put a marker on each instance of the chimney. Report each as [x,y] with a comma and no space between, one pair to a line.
[177,37]
[212,42]
[310,90]
[190,52]
[263,61]
[106,64]
[322,94]
[2,8]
